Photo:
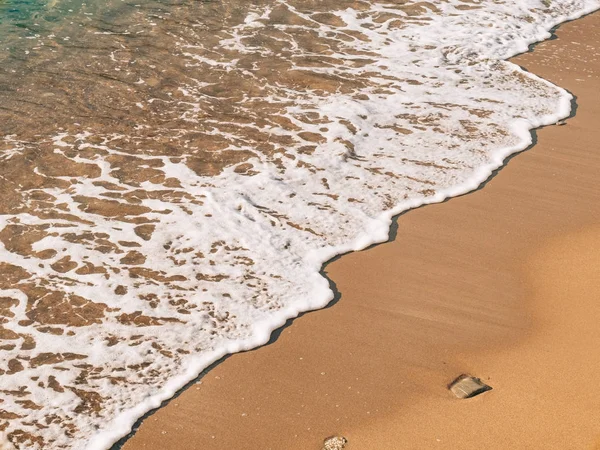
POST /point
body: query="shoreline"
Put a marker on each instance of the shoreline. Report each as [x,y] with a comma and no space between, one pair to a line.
[341,270]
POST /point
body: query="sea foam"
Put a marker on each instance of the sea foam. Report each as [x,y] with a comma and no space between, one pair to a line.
[147,247]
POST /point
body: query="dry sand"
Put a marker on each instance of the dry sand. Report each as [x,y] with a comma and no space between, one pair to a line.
[503,283]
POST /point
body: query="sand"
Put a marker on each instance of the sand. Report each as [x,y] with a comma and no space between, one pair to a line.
[503,283]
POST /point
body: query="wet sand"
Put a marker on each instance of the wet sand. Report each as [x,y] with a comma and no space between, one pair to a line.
[501,283]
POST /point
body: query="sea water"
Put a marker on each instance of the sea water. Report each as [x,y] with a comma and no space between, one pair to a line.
[175,174]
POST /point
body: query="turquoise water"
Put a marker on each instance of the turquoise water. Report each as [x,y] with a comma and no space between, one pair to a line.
[27,14]
[31,18]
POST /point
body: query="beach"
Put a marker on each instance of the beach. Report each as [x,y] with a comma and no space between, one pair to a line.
[501,283]
[186,181]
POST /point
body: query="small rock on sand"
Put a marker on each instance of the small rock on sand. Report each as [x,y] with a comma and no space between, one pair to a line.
[466,386]
[334,443]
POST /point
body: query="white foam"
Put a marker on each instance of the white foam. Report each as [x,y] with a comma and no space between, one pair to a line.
[5,443]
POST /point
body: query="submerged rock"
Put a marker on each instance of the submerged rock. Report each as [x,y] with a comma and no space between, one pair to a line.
[334,443]
[466,386]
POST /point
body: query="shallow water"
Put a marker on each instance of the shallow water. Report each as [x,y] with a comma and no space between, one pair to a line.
[174,175]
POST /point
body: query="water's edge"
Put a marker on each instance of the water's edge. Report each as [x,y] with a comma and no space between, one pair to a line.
[123,427]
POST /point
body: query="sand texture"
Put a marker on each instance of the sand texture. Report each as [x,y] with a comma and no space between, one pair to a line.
[502,284]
